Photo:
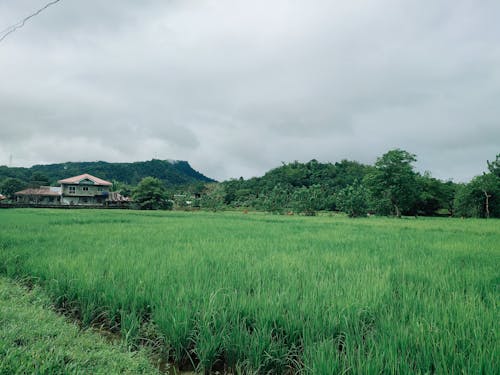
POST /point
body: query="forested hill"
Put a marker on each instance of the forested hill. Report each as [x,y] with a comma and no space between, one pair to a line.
[172,173]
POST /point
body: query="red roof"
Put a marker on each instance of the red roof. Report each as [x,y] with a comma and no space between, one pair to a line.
[45,190]
[85,176]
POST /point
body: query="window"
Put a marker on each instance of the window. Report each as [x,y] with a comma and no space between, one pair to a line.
[72,189]
[85,188]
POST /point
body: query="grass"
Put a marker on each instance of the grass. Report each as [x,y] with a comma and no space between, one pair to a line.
[263,293]
[35,340]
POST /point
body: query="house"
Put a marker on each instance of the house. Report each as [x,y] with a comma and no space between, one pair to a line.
[2,197]
[82,190]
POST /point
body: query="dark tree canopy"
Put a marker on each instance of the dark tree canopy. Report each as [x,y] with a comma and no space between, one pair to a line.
[11,185]
[150,194]
[393,179]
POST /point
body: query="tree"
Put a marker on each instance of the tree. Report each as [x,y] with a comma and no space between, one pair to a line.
[11,185]
[307,200]
[150,195]
[433,195]
[277,199]
[353,200]
[122,188]
[393,179]
[494,166]
[38,179]
[479,198]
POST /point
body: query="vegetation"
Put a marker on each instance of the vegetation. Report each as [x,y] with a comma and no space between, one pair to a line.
[282,294]
[171,173]
[353,200]
[390,187]
[393,181]
[10,185]
[150,195]
[481,197]
[35,340]
[300,187]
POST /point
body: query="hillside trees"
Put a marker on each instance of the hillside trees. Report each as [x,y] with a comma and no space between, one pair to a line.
[308,200]
[38,179]
[171,173]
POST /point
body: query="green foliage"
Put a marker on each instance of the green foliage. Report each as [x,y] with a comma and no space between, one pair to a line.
[394,180]
[150,195]
[122,188]
[9,186]
[494,166]
[266,294]
[308,200]
[277,200]
[38,179]
[481,196]
[353,200]
[293,178]
[433,195]
[213,197]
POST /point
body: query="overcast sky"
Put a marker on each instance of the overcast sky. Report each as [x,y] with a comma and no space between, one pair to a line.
[236,87]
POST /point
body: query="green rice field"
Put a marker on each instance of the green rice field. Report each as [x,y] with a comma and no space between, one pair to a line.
[258,294]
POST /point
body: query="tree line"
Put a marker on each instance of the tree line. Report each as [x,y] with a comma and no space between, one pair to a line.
[391,186]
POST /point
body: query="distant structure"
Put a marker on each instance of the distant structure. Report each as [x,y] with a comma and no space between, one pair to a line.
[82,190]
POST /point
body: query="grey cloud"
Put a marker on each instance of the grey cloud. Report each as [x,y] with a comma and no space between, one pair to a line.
[236,87]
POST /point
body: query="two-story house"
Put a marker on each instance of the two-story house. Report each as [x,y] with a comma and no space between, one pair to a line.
[84,189]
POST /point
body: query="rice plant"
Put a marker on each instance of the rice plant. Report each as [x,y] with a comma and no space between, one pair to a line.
[272,294]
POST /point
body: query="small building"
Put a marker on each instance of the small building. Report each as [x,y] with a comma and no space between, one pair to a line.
[2,197]
[44,195]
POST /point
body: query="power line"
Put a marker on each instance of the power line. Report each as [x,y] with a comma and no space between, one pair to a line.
[9,30]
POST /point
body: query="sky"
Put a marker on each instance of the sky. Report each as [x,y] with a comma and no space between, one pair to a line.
[237,87]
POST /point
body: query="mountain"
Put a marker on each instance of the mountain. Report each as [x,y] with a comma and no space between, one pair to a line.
[171,172]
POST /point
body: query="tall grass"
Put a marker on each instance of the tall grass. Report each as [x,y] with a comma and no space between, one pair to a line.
[260,293]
